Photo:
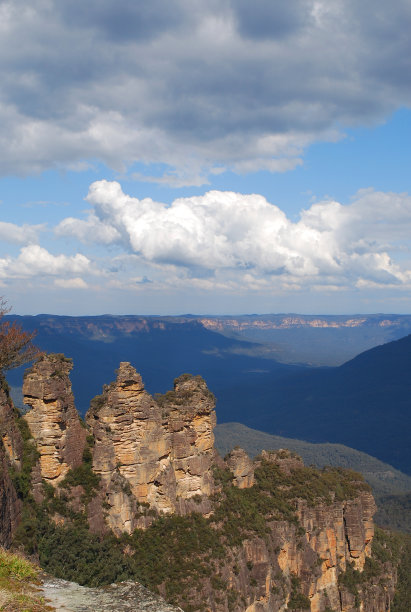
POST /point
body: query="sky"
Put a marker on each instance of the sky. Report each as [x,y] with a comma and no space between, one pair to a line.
[219,157]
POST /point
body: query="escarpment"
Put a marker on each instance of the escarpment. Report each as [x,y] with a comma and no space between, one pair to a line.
[230,535]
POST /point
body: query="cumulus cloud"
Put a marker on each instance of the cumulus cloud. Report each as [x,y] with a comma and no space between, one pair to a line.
[197,86]
[225,237]
[35,260]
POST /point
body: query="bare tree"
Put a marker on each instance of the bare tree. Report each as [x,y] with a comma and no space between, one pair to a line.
[16,346]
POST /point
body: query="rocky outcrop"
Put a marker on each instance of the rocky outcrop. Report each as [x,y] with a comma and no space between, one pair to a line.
[120,597]
[131,451]
[53,420]
[286,460]
[340,533]
[297,564]
[191,419]
[149,453]
[240,464]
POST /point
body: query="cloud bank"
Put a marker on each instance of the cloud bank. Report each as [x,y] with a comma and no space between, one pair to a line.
[230,240]
[197,86]
[35,260]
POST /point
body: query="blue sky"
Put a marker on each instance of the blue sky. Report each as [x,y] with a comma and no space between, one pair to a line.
[205,157]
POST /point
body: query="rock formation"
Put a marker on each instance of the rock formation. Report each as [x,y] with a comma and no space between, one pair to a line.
[155,453]
[53,420]
[284,459]
[191,420]
[276,535]
[299,565]
[240,464]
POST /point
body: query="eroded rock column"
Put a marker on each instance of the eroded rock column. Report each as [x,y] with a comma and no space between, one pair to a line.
[132,449]
[53,420]
[192,420]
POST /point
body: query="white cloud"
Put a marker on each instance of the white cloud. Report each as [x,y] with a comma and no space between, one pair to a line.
[193,85]
[228,239]
[71,283]
[19,234]
[34,260]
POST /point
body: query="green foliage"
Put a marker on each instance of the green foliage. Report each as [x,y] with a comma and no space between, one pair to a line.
[56,503]
[162,399]
[29,530]
[240,513]
[394,512]
[182,396]
[61,358]
[97,403]
[16,566]
[402,599]
[83,474]
[4,385]
[184,377]
[74,553]
[176,550]
[351,579]
[22,477]
[386,546]
[309,483]
[372,573]
[17,584]
[297,599]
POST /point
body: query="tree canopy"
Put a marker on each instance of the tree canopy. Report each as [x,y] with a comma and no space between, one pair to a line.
[16,346]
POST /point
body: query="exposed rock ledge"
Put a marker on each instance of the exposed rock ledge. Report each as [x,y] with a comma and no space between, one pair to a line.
[67,596]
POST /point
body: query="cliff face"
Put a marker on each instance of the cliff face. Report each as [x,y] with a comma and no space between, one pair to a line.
[11,450]
[53,420]
[151,453]
[300,564]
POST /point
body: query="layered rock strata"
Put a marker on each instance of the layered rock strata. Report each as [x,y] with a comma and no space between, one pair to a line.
[53,420]
[153,453]
[304,560]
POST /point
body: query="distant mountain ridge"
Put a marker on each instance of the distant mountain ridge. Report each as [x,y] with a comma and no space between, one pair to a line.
[159,347]
[317,340]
